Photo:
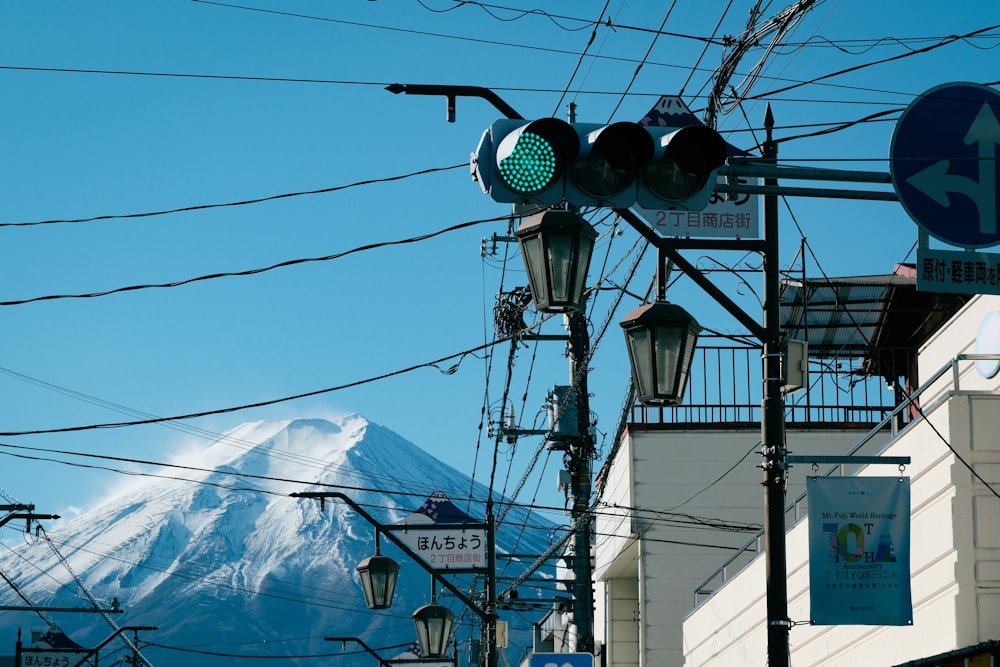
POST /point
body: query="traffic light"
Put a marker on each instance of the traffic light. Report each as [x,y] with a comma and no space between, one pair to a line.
[550,161]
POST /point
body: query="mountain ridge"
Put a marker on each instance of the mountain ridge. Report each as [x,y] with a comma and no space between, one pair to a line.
[223,551]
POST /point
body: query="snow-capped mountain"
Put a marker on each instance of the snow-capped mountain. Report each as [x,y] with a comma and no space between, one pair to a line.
[219,557]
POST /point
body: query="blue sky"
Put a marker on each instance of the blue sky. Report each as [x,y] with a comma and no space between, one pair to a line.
[118,108]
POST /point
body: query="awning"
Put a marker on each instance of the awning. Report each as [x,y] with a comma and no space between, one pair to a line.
[877,317]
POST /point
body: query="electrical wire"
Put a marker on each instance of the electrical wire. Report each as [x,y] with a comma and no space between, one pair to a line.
[944,42]
[460,356]
[245,202]
[951,448]
[645,57]
[227,439]
[255,271]
[579,61]
[520,14]
[17,451]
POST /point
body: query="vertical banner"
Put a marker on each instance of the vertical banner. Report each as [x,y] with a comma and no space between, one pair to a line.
[859,550]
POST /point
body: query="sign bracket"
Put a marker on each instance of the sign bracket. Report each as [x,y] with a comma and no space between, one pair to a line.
[848,460]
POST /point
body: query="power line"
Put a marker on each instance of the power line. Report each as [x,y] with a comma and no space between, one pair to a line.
[945,42]
[245,202]
[651,514]
[460,356]
[254,271]
[244,656]
[867,45]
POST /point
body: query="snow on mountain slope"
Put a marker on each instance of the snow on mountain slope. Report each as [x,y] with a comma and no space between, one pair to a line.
[218,556]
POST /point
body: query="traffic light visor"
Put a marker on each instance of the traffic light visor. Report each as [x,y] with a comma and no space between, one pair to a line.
[684,161]
[610,157]
[533,157]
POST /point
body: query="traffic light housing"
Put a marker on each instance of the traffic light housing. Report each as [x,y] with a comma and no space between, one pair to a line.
[549,162]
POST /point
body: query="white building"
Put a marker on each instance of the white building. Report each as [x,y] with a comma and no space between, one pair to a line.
[680,576]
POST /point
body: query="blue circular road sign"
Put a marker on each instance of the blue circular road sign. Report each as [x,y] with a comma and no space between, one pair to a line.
[942,160]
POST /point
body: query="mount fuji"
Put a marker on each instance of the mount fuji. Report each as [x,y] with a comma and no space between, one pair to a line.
[218,556]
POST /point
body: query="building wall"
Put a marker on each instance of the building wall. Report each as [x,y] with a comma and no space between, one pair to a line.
[622,603]
[955,538]
[662,523]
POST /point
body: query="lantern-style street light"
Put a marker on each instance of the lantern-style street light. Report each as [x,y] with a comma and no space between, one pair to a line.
[378,578]
[433,623]
[556,246]
[661,339]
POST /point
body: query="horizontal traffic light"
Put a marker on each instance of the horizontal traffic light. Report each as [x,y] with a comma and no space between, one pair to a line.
[549,162]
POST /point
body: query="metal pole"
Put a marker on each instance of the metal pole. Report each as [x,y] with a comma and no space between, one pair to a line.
[578,463]
[772,429]
[368,649]
[490,607]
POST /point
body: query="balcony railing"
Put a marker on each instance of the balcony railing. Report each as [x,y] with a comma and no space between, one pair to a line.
[726,385]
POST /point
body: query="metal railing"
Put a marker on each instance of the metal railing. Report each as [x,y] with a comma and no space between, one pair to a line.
[896,421]
[725,389]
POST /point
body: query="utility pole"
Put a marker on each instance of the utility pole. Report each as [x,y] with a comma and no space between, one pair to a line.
[772,428]
[578,463]
[490,616]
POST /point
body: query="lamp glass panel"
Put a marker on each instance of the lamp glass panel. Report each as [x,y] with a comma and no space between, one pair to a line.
[562,250]
[585,248]
[383,585]
[642,360]
[367,587]
[534,262]
[668,346]
[422,639]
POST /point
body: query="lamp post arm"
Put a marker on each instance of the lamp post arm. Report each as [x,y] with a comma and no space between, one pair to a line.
[452,92]
[118,631]
[454,590]
[360,643]
[664,245]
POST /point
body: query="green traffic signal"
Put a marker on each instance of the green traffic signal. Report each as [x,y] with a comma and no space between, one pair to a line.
[530,165]
[551,162]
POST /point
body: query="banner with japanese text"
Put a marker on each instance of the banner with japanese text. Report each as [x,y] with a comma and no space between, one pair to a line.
[859,550]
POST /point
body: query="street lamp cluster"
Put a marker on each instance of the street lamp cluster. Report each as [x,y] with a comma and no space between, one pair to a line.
[378,575]
[557,246]
[433,621]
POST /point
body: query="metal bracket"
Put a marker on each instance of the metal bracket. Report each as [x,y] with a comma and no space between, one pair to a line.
[847,460]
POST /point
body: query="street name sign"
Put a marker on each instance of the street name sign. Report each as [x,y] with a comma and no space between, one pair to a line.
[446,547]
[53,657]
[942,160]
[736,218]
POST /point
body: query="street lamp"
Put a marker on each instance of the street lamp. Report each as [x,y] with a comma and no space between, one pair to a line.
[661,339]
[378,578]
[433,623]
[557,246]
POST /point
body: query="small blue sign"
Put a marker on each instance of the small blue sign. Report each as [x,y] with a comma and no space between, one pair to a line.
[561,660]
[942,160]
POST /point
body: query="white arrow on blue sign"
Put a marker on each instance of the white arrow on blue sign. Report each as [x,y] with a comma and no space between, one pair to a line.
[942,160]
